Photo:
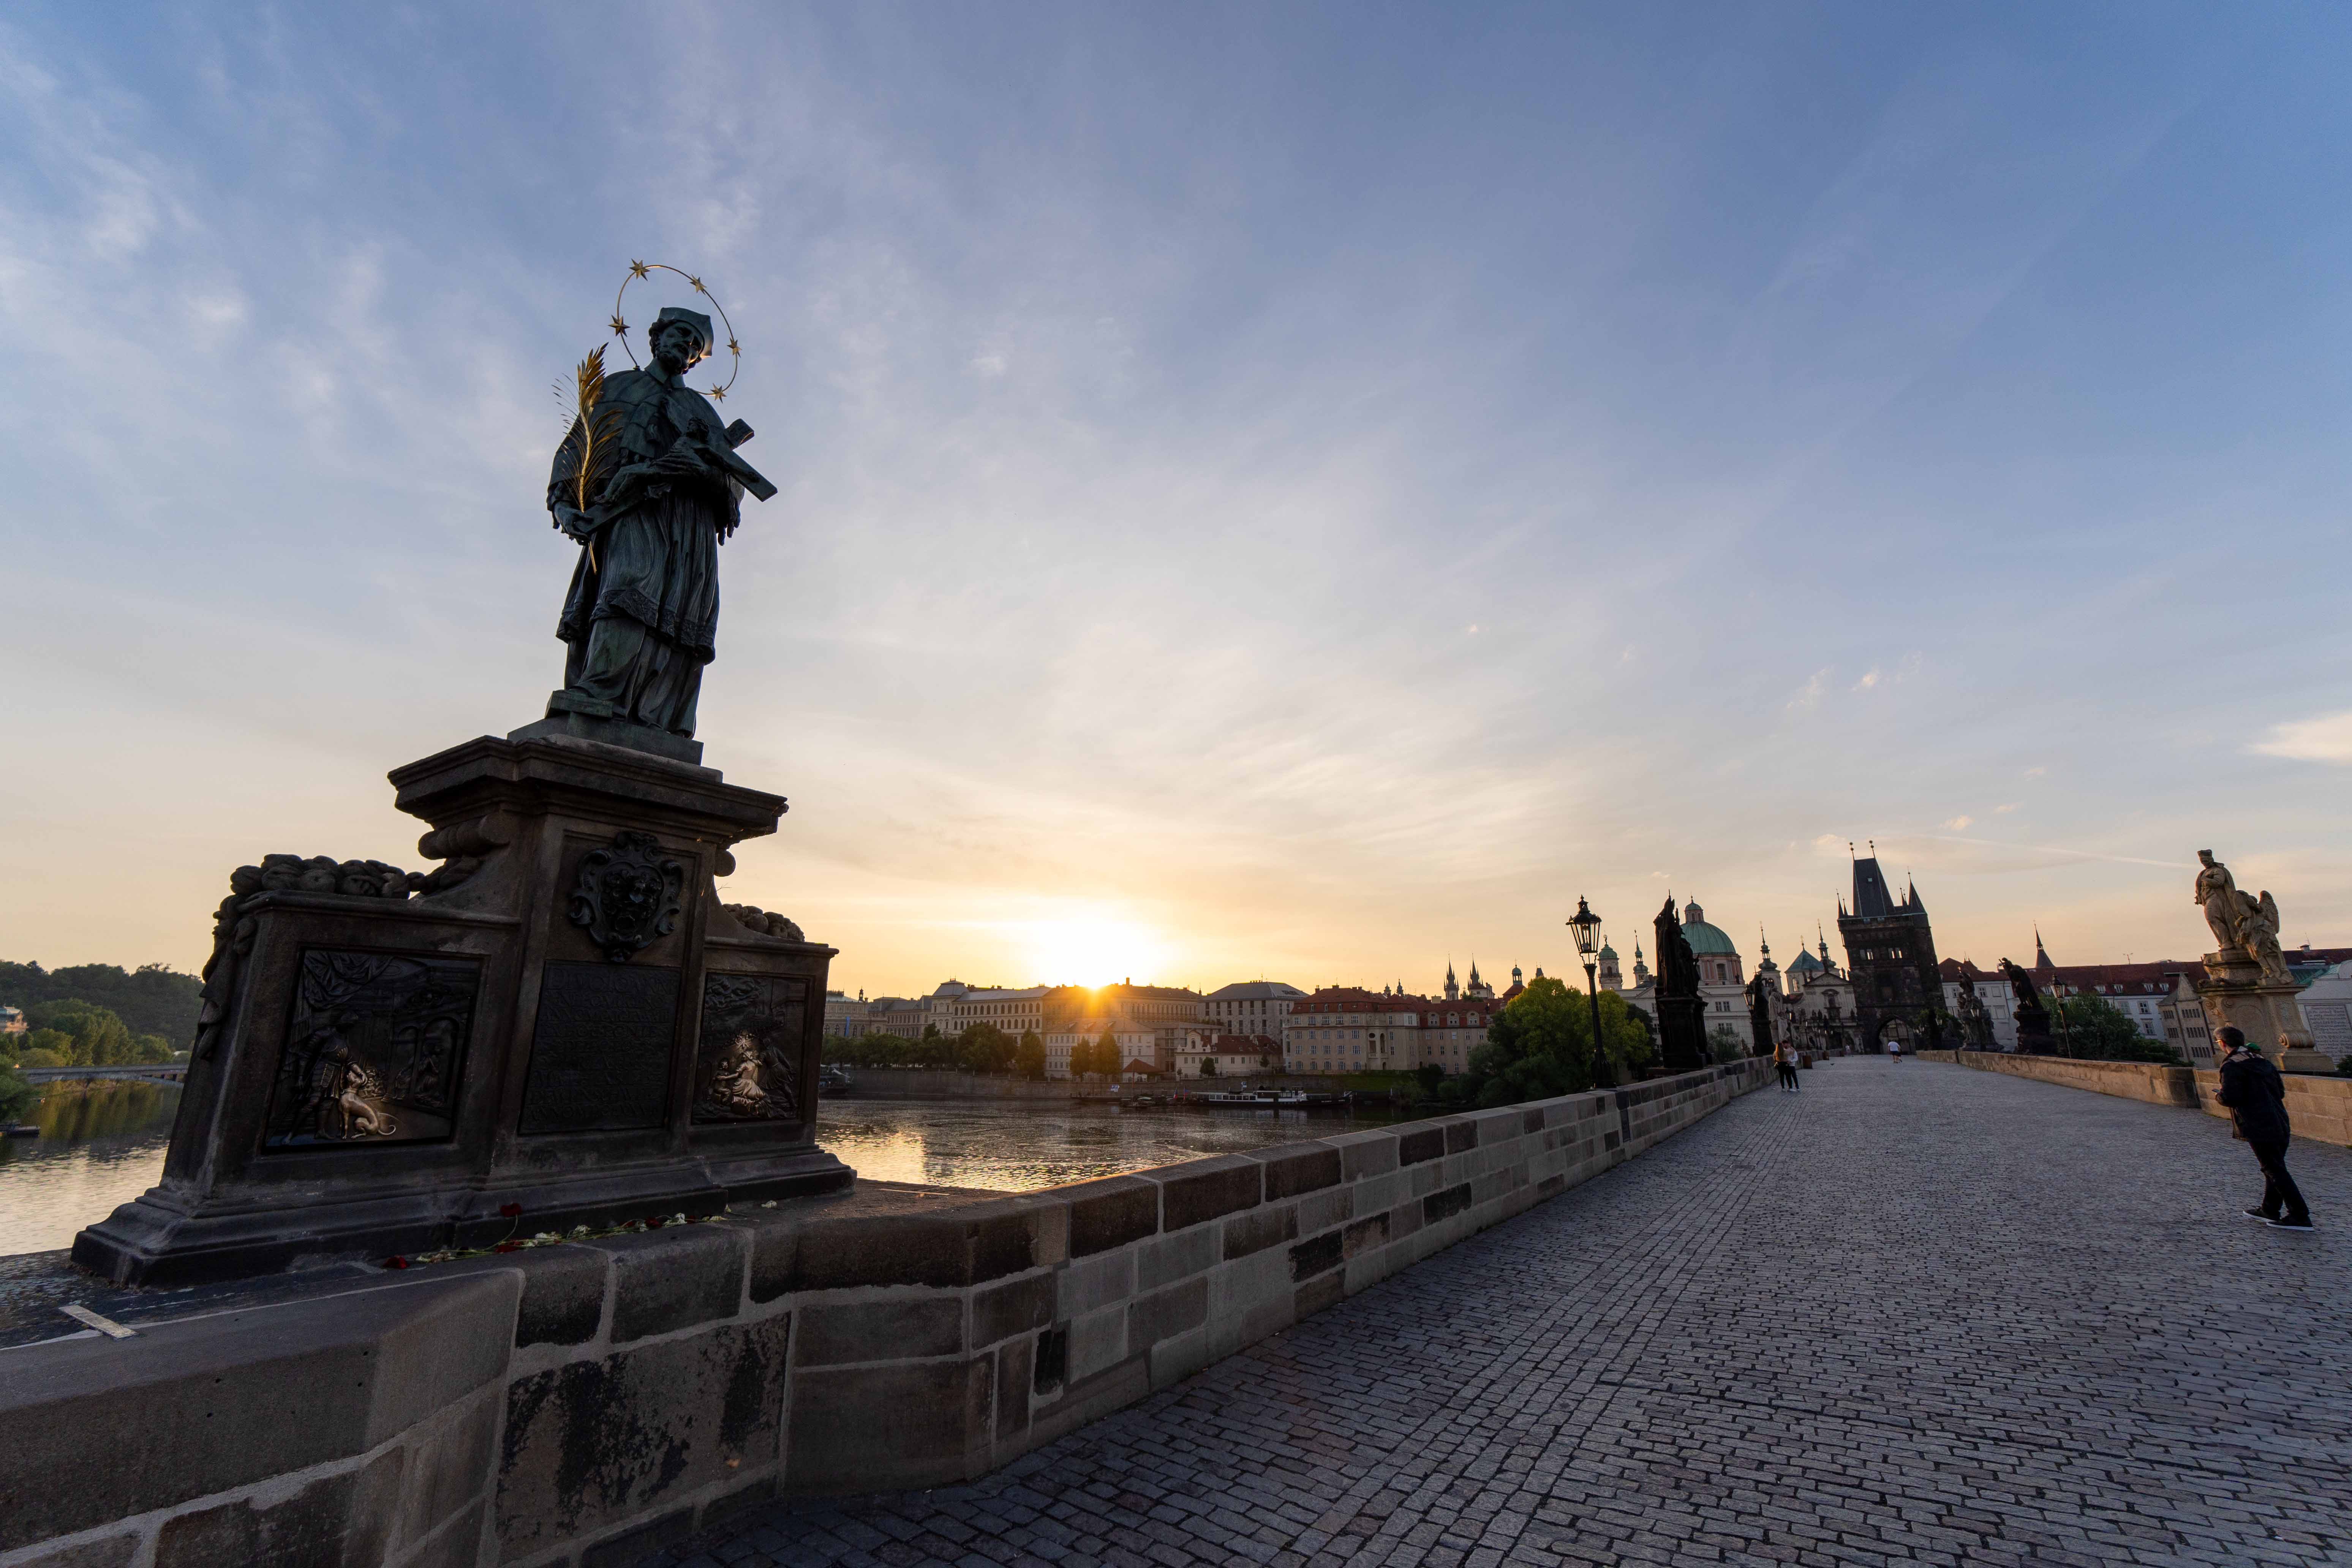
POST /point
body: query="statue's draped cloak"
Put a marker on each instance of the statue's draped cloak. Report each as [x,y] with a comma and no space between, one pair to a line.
[652,560]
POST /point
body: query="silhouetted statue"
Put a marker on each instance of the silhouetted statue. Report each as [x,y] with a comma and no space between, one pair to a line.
[642,617]
[1682,1015]
[2032,1017]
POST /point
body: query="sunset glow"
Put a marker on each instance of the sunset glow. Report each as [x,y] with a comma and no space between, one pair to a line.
[1092,950]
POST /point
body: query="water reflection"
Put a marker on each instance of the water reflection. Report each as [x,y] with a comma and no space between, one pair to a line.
[1011,1146]
[101,1145]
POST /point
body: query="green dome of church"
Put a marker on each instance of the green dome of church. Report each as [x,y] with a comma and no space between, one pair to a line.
[1705,941]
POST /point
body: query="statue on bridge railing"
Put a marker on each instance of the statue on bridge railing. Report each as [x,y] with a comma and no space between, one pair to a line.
[2032,1017]
[2245,926]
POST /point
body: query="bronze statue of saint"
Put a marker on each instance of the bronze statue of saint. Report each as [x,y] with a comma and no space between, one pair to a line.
[642,617]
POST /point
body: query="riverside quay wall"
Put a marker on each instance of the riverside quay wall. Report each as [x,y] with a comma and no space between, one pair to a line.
[586,1403]
[2319,1107]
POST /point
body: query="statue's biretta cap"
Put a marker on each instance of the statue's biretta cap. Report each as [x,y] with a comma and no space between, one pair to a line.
[695,318]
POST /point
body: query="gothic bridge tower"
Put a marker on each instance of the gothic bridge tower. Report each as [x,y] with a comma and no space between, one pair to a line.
[1891,955]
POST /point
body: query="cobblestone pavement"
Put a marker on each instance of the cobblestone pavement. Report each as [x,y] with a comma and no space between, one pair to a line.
[1914,1313]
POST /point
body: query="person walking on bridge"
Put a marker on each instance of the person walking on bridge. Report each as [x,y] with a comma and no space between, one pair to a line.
[2256,1095]
[1784,1056]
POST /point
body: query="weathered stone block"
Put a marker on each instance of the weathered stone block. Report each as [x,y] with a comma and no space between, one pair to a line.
[447,1468]
[673,1278]
[1015,1368]
[194,1408]
[775,1257]
[1259,1229]
[1016,1307]
[1315,1255]
[883,1428]
[632,1547]
[564,1292]
[1365,1153]
[1178,1358]
[933,1250]
[750,1494]
[339,1521]
[888,1327]
[1237,1289]
[1295,1168]
[1097,1341]
[1364,1235]
[1461,1135]
[108,1552]
[1110,1213]
[1323,1210]
[1420,1142]
[1112,1388]
[1091,1283]
[1166,1313]
[1172,1258]
[1201,1190]
[593,1443]
[456,1544]
[1445,1204]
[1003,1239]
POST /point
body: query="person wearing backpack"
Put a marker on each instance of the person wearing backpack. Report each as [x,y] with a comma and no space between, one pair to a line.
[2256,1097]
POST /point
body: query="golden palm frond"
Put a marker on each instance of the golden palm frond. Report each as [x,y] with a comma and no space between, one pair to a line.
[597,426]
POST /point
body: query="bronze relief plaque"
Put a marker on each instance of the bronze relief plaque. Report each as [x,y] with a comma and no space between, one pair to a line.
[748,1066]
[600,1053]
[373,1049]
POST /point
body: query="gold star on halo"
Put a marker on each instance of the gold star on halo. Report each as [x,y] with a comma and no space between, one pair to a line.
[718,393]
[698,284]
[733,349]
[639,269]
[620,327]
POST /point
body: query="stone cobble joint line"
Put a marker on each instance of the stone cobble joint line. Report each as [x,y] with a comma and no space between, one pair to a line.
[1914,1315]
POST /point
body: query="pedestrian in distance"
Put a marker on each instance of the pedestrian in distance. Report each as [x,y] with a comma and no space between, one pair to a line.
[2256,1095]
[1784,1056]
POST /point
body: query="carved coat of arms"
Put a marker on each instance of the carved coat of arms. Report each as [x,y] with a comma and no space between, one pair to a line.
[627,895]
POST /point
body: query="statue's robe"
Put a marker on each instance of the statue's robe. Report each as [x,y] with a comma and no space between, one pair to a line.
[642,617]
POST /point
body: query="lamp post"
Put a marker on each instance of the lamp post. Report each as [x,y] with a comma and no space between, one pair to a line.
[1587,927]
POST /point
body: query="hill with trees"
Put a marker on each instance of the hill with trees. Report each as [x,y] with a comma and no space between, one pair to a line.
[149,1000]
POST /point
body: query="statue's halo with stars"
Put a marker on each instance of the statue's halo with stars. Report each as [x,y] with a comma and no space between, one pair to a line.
[621,328]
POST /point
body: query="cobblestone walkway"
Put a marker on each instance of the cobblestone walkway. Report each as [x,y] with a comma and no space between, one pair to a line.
[1913,1314]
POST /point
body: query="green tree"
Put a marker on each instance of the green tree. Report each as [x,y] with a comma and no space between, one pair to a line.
[151,1000]
[1029,1055]
[99,1037]
[1108,1061]
[46,1048]
[1725,1043]
[17,1096]
[984,1047]
[2095,1029]
[1208,1067]
[1541,1046]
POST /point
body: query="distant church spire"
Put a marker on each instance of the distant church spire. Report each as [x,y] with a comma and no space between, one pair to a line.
[2040,953]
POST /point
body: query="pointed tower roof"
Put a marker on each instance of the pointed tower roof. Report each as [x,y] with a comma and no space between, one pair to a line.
[1872,898]
[2042,964]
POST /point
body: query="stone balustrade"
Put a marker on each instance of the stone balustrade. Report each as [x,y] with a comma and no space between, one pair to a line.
[585,1403]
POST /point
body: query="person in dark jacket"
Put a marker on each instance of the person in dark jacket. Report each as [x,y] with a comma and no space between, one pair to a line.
[2256,1097]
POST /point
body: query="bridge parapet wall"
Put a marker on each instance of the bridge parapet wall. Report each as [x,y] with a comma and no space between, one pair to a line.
[585,1403]
[2319,1107]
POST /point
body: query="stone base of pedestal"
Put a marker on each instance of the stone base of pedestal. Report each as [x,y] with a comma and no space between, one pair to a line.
[562,1026]
[2236,994]
[2306,1061]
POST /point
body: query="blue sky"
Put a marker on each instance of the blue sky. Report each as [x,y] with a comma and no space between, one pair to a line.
[1299,492]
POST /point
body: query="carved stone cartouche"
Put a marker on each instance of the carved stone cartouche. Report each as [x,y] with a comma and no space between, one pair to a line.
[628,895]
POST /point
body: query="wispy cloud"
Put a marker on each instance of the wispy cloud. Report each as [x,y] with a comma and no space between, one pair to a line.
[2326,739]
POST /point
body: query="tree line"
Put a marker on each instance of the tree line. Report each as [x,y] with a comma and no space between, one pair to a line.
[150,1000]
[77,1034]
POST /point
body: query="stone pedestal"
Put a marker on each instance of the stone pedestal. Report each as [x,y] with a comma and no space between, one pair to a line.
[563,1027]
[2236,994]
[1682,1034]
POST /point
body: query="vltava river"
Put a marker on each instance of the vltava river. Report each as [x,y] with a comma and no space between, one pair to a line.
[103,1145]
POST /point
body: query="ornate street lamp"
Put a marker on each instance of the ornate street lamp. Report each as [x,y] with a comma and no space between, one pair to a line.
[1587,927]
